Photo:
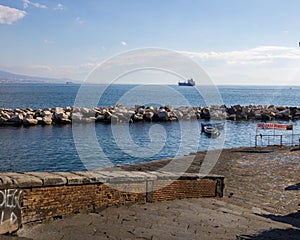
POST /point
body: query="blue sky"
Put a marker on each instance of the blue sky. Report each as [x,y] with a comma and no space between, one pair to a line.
[234,41]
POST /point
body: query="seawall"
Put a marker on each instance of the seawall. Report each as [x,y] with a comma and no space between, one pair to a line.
[37,196]
[120,114]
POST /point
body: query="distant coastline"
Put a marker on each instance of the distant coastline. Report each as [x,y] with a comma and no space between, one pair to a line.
[8,77]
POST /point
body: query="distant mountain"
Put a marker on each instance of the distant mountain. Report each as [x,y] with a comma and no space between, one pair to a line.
[7,77]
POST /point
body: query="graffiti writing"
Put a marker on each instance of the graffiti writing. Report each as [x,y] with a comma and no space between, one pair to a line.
[10,208]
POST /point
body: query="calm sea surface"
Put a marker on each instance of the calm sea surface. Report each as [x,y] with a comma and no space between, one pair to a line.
[56,148]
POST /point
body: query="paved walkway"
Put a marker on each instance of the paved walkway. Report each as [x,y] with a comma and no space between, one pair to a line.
[181,219]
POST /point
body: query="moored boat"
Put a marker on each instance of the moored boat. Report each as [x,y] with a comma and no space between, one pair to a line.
[219,125]
[211,131]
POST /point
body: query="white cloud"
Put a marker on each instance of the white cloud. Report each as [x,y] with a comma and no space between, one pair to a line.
[59,6]
[258,55]
[10,15]
[79,20]
[49,42]
[123,43]
[27,3]
[262,65]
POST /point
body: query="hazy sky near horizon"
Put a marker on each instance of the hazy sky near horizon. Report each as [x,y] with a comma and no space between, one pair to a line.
[236,42]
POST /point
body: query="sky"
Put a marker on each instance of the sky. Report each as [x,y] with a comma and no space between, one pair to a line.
[236,42]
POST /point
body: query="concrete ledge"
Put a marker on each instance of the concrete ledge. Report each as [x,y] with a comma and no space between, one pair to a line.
[39,179]
[48,178]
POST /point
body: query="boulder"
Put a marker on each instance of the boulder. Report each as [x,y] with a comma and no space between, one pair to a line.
[232,117]
[65,121]
[87,112]
[77,116]
[17,110]
[45,113]
[5,116]
[205,113]
[284,114]
[122,117]
[30,121]
[138,117]
[68,109]
[46,120]
[62,116]
[280,108]
[16,119]
[141,110]
[149,115]
[100,118]
[58,110]
[107,115]
[258,116]
[178,114]
[163,114]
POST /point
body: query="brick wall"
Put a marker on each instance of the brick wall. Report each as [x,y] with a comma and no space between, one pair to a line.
[47,202]
[29,197]
[182,189]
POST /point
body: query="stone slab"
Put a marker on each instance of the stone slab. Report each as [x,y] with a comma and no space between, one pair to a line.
[93,176]
[5,180]
[21,180]
[73,178]
[49,178]
[166,175]
[122,176]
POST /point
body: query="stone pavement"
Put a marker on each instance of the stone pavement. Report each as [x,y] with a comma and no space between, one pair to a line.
[203,219]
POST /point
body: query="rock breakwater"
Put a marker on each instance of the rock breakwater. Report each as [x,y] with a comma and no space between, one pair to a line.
[121,114]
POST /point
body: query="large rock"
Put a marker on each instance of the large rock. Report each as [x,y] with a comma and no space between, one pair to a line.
[163,114]
[232,117]
[100,118]
[58,110]
[138,117]
[141,110]
[77,116]
[46,113]
[87,112]
[178,114]
[16,120]
[149,115]
[46,120]
[107,115]
[30,121]
[205,113]
[5,116]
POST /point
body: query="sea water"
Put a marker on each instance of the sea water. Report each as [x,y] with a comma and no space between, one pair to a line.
[53,148]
